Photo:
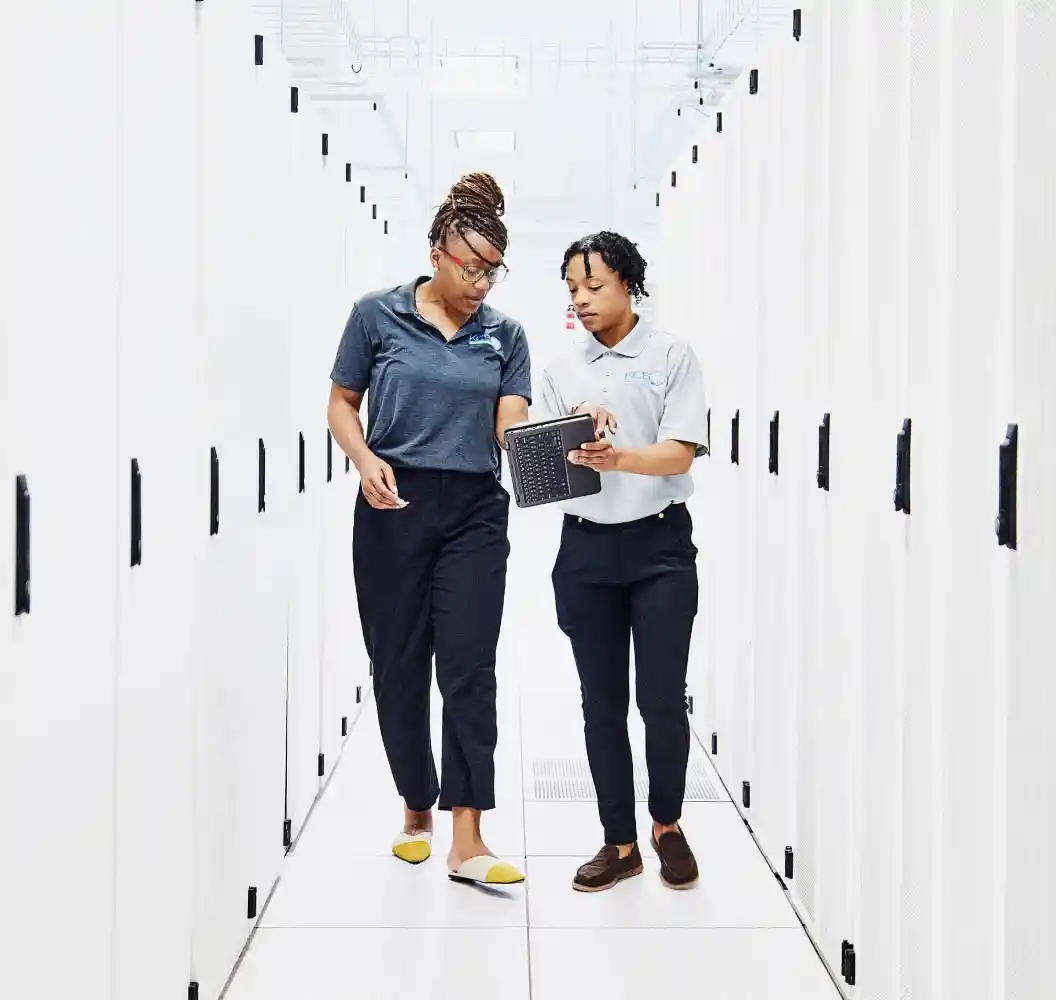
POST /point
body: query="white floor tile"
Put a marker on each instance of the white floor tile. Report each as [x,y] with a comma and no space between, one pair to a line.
[440,964]
[359,891]
[717,964]
[736,889]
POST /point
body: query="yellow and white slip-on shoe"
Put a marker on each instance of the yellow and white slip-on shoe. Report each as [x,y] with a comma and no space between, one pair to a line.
[414,848]
[485,870]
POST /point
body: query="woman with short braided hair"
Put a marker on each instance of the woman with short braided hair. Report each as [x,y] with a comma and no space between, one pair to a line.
[445,375]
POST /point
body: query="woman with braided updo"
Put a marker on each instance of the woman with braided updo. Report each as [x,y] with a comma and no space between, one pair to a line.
[445,375]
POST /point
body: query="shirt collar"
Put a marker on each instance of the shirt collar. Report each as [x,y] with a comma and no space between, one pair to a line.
[630,347]
[406,303]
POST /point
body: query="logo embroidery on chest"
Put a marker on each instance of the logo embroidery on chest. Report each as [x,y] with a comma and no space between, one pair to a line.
[486,338]
[646,378]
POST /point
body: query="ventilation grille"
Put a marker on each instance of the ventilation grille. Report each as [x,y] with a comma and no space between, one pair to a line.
[568,780]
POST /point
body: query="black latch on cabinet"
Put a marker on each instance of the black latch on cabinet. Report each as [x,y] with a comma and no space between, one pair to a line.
[848,963]
[258,50]
[322,765]
[262,476]
[348,173]
[22,533]
[797,24]
[1008,471]
[359,695]
[287,833]
[362,194]
[674,178]
[775,431]
[903,467]
[295,101]
[753,82]
[329,457]
[374,212]
[696,154]
[300,463]
[214,492]
[735,439]
[192,991]
[714,744]
[823,453]
[348,465]
[136,556]
[251,905]
[709,431]
[326,144]
[746,795]
[344,725]
[689,704]
[790,866]
[718,121]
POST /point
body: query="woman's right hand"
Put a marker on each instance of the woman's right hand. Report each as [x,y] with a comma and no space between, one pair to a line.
[379,485]
[604,421]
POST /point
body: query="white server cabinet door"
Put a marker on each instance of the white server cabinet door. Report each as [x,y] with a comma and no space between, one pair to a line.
[885,56]
[238,704]
[158,502]
[814,241]
[58,676]
[927,581]
[845,527]
[1029,803]
[973,683]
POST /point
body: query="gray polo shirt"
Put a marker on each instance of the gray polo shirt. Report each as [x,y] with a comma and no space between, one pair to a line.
[652,382]
[431,403]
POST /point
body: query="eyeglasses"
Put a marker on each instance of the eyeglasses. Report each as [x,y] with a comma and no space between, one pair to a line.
[473,273]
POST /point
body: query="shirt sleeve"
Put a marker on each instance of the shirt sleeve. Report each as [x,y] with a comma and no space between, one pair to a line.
[550,405]
[355,354]
[685,406]
[517,373]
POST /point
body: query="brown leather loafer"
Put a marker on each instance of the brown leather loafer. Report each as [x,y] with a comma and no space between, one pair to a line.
[607,869]
[678,867]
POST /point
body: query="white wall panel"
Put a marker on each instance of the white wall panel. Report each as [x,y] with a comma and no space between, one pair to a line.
[57,679]
[912,775]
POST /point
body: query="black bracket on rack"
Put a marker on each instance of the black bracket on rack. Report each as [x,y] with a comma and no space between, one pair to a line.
[903,467]
[1008,469]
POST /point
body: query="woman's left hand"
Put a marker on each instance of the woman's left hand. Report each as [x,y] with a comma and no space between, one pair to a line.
[598,455]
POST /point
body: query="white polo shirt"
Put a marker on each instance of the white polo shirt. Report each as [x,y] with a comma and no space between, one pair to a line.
[652,383]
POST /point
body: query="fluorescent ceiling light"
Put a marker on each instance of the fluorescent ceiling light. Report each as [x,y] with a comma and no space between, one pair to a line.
[486,142]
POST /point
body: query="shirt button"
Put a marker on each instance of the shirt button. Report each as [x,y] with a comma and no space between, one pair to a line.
[661,517]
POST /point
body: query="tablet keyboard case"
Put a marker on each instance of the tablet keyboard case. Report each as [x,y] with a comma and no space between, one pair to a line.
[538,455]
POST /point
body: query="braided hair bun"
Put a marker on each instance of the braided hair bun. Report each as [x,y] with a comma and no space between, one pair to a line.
[475,204]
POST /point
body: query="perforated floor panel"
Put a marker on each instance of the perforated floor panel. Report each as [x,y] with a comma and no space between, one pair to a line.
[556,779]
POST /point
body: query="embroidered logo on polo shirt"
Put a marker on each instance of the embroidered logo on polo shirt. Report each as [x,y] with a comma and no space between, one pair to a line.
[646,378]
[487,338]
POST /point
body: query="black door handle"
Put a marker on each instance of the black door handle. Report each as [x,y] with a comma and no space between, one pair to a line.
[903,467]
[22,526]
[735,439]
[1008,468]
[214,492]
[775,431]
[137,515]
[824,435]
[262,476]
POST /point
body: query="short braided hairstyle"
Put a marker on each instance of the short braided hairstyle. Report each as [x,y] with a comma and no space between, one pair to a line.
[475,204]
[618,253]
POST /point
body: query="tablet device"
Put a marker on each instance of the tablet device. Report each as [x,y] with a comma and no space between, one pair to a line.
[539,466]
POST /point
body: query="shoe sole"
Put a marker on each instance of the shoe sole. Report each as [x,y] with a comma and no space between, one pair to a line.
[623,876]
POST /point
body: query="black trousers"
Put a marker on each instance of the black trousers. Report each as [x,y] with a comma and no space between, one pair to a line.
[431,580]
[612,584]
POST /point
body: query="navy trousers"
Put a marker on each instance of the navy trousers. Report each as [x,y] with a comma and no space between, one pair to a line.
[431,581]
[614,584]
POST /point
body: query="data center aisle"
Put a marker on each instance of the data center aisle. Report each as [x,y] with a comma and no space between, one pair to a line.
[348,919]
